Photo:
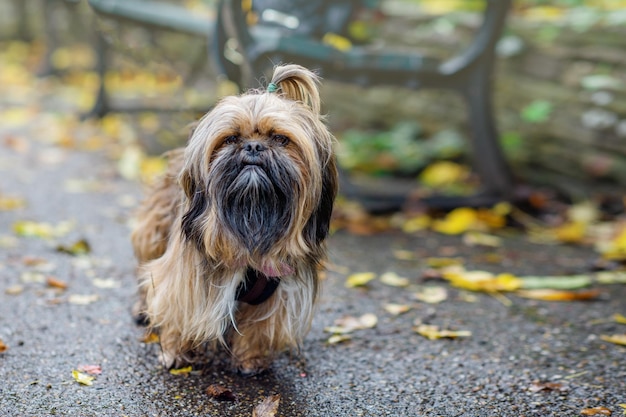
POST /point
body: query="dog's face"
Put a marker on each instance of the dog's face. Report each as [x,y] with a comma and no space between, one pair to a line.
[259,178]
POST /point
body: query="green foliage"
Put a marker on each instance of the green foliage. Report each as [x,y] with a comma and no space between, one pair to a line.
[400,150]
[537,111]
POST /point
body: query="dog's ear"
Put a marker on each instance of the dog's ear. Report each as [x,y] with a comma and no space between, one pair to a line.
[194,206]
[318,225]
[298,84]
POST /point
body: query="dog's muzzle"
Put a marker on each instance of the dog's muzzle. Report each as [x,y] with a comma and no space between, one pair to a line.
[256,287]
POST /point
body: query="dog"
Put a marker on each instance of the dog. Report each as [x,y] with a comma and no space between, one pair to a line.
[230,240]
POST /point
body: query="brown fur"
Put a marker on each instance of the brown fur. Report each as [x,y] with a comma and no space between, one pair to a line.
[193,251]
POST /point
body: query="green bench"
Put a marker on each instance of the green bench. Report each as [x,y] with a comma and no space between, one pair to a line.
[260,47]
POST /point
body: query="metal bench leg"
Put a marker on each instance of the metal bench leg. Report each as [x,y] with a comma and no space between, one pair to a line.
[101,106]
[487,155]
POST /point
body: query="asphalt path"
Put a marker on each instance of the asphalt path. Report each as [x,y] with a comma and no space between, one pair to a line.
[530,358]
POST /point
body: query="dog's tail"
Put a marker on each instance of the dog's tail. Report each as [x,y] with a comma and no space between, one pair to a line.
[297,83]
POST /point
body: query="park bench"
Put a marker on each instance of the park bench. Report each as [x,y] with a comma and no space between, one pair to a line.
[261,46]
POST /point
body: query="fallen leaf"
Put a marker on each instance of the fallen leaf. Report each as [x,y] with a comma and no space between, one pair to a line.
[618,339]
[14,289]
[396,309]
[27,228]
[348,324]
[150,337]
[3,346]
[569,282]
[404,255]
[90,369]
[220,392]
[431,294]
[457,221]
[82,378]
[432,332]
[83,299]
[481,239]
[359,279]
[394,280]
[338,338]
[32,277]
[571,232]
[181,371]
[435,262]
[416,223]
[11,203]
[480,280]
[56,283]
[443,173]
[268,407]
[109,283]
[611,277]
[559,295]
[619,318]
[537,386]
[80,247]
[596,411]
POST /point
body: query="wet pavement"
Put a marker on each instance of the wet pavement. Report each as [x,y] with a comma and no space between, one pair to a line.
[523,358]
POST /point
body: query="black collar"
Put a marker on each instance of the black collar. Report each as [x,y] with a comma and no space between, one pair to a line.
[256,287]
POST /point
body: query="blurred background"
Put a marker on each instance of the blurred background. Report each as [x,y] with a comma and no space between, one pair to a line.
[559,94]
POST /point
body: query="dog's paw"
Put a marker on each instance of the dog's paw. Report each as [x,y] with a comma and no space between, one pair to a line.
[172,361]
[251,366]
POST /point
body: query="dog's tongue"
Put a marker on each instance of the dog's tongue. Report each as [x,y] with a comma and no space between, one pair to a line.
[271,270]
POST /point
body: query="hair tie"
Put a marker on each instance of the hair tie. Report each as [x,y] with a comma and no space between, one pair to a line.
[272,88]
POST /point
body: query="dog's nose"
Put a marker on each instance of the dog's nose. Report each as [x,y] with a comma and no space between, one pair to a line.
[254,147]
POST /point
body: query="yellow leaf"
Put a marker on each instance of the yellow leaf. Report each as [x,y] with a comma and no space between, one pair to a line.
[481,280]
[548,13]
[618,339]
[457,221]
[3,346]
[432,332]
[29,228]
[150,337]
[341,43]
[396,309]
[181,371]
[611,277]
[442,262]
[82,378]
[444,173]
[619,318]
[394,280]
[616,248]
[432,294]
[359,279]
[151,168]
[481,239]
[572,232]
[416,223]
[80,247]
[338,338]
[11,203]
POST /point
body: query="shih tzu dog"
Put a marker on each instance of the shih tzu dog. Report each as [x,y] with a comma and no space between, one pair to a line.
[230,240]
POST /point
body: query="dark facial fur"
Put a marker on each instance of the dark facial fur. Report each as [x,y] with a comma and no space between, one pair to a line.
[255,185]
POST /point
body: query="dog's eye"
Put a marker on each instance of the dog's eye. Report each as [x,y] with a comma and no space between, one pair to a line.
[282,140]
[229,140]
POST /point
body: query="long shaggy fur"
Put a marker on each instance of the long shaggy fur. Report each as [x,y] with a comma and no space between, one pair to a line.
[254,188]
